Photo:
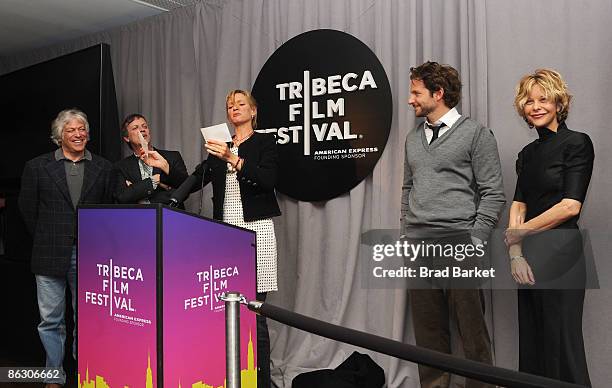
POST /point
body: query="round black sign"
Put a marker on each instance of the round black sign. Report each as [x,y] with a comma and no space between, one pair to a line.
[326,96]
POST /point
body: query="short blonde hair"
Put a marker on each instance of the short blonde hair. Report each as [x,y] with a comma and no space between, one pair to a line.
[554,88]
[250,99]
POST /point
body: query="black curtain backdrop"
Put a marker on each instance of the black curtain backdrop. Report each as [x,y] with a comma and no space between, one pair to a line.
[30,99]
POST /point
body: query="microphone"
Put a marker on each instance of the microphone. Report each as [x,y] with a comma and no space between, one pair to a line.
[182,192]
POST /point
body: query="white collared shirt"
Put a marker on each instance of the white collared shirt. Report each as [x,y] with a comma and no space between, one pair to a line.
[448,119]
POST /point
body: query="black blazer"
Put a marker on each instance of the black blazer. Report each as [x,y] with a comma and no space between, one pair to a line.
[128,169]
[44,201]
[257,178]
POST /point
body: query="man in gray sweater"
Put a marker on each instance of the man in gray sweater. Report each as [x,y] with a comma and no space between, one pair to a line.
[452,193]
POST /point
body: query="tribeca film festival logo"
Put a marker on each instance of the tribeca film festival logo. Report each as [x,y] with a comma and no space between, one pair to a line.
[212,282]
[116,281]
[327,98]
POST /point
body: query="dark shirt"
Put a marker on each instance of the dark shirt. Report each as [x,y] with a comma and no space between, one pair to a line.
[555,166]
[74,174]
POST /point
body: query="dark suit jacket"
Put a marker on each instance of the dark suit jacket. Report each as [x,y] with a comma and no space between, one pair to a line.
[128,169]
[44,201]
[257,178]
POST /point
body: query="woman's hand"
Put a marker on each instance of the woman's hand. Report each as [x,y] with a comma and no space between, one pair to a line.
[220,150]
[154,159]
[515,235]
[521,271]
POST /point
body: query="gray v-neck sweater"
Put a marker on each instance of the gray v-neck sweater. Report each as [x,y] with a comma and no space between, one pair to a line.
[453,184]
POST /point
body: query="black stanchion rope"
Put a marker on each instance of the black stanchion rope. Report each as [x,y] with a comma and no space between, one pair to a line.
[468,368]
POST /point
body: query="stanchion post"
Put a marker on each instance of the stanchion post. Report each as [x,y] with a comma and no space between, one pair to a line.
[232,338]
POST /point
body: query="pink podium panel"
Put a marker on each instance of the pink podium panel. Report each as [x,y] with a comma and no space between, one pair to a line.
[148,310]
[201,260]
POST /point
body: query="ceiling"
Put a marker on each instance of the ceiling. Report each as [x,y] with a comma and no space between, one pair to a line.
[31,24]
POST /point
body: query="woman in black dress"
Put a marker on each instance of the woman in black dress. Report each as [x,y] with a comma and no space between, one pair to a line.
[553,176]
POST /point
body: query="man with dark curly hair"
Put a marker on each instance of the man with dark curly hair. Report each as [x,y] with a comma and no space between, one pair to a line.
[452,193]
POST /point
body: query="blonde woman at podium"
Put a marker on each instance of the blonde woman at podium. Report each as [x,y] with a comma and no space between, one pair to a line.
[243,174]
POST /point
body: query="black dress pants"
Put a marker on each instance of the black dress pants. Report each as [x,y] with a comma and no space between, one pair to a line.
[263,348]
[550,330]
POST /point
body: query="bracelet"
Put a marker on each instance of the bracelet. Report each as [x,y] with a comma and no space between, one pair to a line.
[517,257]
[238,162]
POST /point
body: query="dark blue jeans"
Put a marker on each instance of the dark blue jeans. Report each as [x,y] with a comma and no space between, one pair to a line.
[51,293]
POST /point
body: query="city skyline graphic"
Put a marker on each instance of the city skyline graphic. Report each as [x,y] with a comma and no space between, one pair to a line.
[248,376]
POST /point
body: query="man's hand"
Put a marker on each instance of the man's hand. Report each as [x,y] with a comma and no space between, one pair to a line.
[154,159]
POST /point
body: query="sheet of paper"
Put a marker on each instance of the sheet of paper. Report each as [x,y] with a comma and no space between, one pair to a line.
[219,132]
